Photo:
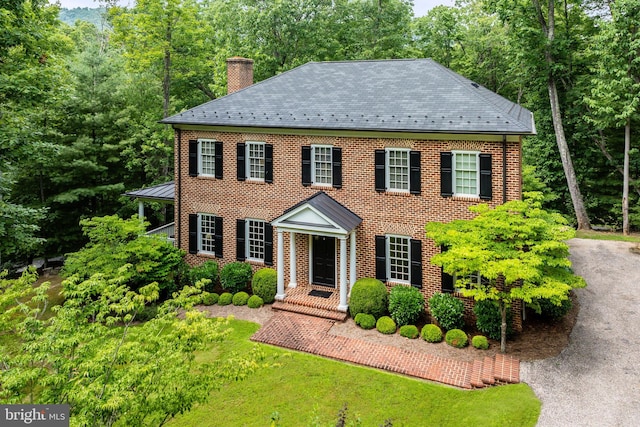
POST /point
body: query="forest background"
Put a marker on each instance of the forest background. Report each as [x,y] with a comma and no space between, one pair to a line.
[80,100]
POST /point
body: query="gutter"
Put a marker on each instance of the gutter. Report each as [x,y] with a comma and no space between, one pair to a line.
[504,168]
[178,189]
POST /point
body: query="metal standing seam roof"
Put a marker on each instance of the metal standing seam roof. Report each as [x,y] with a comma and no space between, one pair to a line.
[328,206]
[161,192]
[409,95]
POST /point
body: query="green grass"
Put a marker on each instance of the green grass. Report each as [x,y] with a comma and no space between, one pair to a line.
[307,390]
[605,235]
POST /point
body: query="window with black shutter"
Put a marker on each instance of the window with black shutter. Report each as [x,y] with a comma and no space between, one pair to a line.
[240,161]
[193,157]
[447,280]
[416,263]
[380,172]
[446,174]
[240,240]
[336,167]
[381,258]
[218,161]
[306,165]
[268,244]
[414,172]
[486,192]
[193,233]
[268,163]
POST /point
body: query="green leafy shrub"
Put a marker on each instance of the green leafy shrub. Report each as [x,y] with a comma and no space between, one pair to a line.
[365,321]
[240,298]
[369,296]
[551,311]
[255,301]
[409,331]
[210,298]
[264,284]
[225,298]
[431,333]
[480,342]
[489,320]
[447,310]
[406,304]
[235,276]
[456,338]
[147,313]
[207,270]
[386,325]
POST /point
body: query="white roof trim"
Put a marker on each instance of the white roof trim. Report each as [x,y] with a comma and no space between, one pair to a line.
[308,220]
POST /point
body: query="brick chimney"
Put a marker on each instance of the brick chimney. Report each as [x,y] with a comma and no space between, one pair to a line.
[239,73]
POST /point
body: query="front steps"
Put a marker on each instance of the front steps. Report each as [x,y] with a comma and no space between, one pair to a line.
[500,369]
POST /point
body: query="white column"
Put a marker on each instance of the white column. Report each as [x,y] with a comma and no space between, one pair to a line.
[280,272]
[141,210]
[343,274]
[293,275]
[352,261]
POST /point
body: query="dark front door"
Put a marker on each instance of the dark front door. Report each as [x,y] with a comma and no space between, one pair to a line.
[324,261]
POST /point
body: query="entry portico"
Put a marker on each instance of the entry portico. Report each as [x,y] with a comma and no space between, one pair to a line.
[323,220]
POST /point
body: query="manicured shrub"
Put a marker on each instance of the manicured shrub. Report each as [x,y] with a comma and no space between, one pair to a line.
[409,331]
[456,338]
[386,325]
[431,333]
[406,304]
[489,320]
[368,296]
[447,310]
[480,342]
[235,276]
[207,270]
[210,298]
[551,311]
[240,298]
[365,321]
[255,301]
[264,284]
[225,298]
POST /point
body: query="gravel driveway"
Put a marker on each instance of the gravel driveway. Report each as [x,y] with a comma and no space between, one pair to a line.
[595,381]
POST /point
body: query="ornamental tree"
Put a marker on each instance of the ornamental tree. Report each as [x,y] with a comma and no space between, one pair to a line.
[517,249]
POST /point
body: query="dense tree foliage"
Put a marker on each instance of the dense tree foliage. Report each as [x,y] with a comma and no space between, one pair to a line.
[80,103]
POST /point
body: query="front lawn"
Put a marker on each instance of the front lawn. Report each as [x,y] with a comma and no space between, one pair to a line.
[305,390]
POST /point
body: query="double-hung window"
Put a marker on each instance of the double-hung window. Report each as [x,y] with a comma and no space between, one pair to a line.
[322,166]
[255,161]
[399,259]
[466,174]
[205,158]
[397,170]
[205,234]
[398,269]
[254,241]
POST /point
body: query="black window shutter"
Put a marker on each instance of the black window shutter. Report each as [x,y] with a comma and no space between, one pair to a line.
[381,258]
[336,167]
[240,240]
[218,165]
[416,263]
[193,233]
[218,236]
[446,174]
[241,161]
[268,163]
[193,157]
[447,279]
[306,165]
[485,177]
[268,244]
[414,172]
[380,172]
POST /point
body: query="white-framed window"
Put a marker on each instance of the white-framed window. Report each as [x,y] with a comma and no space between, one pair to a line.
[255,232]
[322,162]
[466,173]
[207,157]
[255,160]
[206,233]
[397,169]
[398,259]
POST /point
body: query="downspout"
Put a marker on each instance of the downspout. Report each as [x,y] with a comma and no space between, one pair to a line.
[178,189]
[504,168]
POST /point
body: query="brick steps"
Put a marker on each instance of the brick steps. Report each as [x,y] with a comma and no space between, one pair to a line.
[309,310]
[500,369]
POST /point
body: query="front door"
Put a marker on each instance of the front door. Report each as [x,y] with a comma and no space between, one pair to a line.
[324,261]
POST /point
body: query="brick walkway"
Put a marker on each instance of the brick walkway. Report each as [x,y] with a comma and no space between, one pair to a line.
[311,335]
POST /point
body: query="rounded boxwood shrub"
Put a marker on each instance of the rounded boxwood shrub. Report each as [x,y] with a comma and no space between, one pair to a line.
[480,342]
[255,301]
[489,320]
[235,276]
[447,310]
[431,333]
[365,321]
[265,284]
[368,296]
[406,304]
[409,331]
[207,270]
[386,325]
[551,311]
[225,298]
[240,298]
[209,298]
[456,338]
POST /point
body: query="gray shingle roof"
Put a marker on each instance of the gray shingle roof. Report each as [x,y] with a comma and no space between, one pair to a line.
[412,95]
[328,206]
[161,192]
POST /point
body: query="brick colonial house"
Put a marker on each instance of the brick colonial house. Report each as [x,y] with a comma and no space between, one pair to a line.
[329,172]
